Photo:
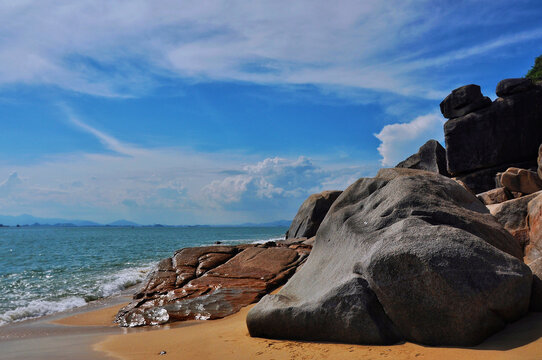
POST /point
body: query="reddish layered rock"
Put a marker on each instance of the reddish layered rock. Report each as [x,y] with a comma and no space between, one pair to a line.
[212,282]
[495,196]
[533,250]
[512,215]
[521,180]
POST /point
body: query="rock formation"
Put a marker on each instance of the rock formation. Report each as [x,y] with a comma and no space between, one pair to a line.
[512,214]
[407,255]
[533,250]
[495,196]
[521,180]
[484,140]
[311,213]
[430,157]
[212,282]
[464,100]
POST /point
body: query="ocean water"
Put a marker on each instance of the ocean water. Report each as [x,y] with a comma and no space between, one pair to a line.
[44,270]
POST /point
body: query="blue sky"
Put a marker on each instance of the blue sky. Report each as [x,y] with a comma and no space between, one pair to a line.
[185,112]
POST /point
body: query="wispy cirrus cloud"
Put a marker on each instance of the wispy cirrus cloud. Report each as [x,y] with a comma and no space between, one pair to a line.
[124,48]
[168,185]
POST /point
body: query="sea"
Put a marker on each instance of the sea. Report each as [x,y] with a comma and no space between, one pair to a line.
[45,270]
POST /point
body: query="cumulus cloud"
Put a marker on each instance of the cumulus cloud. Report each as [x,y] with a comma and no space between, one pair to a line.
[398,141]
[168,185]
[268,179]
[121,48]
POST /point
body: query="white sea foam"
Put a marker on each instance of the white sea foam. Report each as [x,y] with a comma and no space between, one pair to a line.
[123,279]
[266,240]
[37,308]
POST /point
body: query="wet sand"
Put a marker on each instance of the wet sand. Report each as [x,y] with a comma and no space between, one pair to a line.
[67,335]
[90,334]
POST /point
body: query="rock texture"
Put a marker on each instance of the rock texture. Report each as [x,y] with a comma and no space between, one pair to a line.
[491,139]
[540,161]
[407,255]
[508,87]
[463,100]
[533,250]
[430,157]
[212,282]
[495,196]
[311,213]
[512,214]
[521,180]
[536,295]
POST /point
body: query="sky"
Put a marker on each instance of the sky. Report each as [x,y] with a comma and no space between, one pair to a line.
[225,112]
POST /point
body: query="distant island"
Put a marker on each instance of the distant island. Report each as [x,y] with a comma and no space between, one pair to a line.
[30,220]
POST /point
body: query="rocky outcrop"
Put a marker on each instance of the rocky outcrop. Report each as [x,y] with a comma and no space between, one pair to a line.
[533,250]
[495,196]
[521,180]
[539,161]
[212,282]
[509,87]
[430,157]
[407,255]
[490,139]
[311,213]
[536,295]
[464,100]
[512,215]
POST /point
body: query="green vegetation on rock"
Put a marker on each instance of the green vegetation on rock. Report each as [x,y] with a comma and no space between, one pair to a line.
[535,73]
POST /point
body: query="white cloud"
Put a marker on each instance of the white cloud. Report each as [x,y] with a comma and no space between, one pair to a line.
[268,179]
[398,141]
[167,185]
[120,48]
[11,183]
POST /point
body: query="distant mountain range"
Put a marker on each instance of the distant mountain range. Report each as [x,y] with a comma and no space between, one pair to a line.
[29,220]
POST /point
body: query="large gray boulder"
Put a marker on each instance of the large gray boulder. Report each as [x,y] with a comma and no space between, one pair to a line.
[431,156]
[311,213]
[407,255]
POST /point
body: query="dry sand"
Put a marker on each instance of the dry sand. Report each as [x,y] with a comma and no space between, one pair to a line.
[228,339]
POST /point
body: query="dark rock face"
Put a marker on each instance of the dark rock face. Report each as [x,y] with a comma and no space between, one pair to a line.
[405,255]
[485,179]
[463,100]
[430,157]
[512,215]
[533,250]
[311,213]
[513,86]
[509,131]
[540,161]
[521,180]
[212,282]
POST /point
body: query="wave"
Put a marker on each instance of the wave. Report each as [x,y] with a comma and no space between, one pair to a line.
[271,239]
[122,280]
[109,285]
[38,308]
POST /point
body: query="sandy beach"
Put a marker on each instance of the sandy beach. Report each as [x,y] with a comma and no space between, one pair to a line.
[90,334]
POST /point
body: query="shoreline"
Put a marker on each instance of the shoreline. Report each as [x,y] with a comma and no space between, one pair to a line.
[88,333]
